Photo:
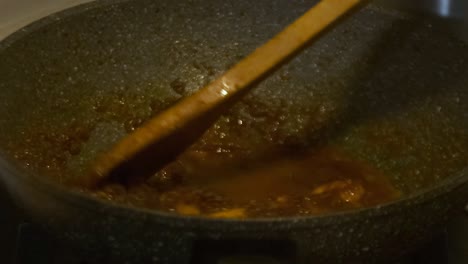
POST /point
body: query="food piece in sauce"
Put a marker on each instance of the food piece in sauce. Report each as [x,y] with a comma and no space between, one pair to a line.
[186,209]
[347,190]
[352,194]
[336,185]
[282,199]
[230,213]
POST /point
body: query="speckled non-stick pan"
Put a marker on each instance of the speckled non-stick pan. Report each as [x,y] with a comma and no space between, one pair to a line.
[389,88]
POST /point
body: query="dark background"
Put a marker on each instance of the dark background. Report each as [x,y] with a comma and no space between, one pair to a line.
[10,216]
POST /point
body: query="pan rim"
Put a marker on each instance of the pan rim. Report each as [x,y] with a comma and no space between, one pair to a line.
[80,200]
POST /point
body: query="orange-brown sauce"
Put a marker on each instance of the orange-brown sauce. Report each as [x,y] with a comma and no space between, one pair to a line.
[228,186]
[227,174]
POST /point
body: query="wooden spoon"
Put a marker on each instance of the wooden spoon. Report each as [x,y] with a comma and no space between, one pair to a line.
[164,137]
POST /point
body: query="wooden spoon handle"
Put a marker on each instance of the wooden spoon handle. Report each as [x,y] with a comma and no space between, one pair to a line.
[165,136]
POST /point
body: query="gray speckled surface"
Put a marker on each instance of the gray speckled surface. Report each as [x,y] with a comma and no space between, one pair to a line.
[380,85]
[15,14]
[343,89]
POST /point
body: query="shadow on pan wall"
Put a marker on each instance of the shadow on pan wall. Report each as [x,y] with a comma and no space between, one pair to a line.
[402,68]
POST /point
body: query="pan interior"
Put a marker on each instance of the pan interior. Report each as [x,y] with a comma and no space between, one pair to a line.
[386,88]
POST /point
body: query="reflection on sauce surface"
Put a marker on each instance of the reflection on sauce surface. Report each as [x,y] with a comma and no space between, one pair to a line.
[228,186]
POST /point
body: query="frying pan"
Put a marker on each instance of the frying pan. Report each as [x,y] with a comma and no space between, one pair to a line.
[387,87]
